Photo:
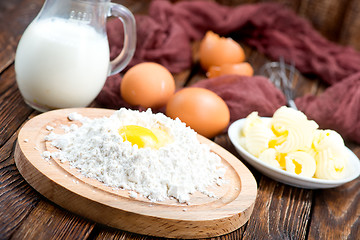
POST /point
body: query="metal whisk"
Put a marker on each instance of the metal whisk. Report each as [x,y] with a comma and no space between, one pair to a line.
[282,76]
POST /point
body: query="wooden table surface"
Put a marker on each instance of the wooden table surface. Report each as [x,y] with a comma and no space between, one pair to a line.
[280,212]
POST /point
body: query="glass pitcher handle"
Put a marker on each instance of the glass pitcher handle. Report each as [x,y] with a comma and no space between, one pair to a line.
[126,54]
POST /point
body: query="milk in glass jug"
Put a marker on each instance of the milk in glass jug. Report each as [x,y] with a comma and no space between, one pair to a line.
[62,59]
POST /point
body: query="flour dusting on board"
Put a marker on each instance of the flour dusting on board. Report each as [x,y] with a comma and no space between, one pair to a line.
[176,166]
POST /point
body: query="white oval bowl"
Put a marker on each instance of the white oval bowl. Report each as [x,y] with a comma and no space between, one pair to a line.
[287,177]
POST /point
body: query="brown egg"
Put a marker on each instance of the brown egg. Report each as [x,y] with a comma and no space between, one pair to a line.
[242,69]
[216,51]
[201,109]
[148,84]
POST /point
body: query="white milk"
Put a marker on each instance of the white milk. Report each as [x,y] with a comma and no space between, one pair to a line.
[60,64]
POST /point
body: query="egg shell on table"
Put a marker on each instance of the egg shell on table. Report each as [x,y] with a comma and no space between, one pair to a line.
[216,51]
[148,84]
[201,109]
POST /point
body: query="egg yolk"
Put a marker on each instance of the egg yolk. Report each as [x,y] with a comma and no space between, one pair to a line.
[144,137]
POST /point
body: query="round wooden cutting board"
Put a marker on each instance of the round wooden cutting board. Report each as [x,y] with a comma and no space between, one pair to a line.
[202,217]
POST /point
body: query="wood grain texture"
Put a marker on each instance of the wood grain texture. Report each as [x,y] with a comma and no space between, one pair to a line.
[336,213]
[105,233]
[13,110]
[14,18]
[60,183]
[326,16]
[350,26]
[282,212]
[323,214]
[52,222]
[17,198]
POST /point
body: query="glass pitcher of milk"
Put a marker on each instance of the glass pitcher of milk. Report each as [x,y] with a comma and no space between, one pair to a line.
[63,59]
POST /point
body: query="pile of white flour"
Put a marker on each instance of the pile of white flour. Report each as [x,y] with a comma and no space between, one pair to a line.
[177,169]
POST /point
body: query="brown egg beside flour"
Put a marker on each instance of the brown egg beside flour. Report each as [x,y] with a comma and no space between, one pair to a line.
[148,84]
[201,109]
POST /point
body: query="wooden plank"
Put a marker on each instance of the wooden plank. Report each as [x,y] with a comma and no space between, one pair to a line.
[350,34]
[336,213]
[11,186]
[105,233]
[23,209]
[7,49]
[21,212]
[17,198]
[7,79]
[108,233]
[52,222]
[282,212]
[325,15]
[13,110]
[14,18]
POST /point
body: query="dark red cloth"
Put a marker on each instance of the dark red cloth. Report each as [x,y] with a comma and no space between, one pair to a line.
[156,42]
[110,95]
[244,94]
[165,35]
[338,108]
